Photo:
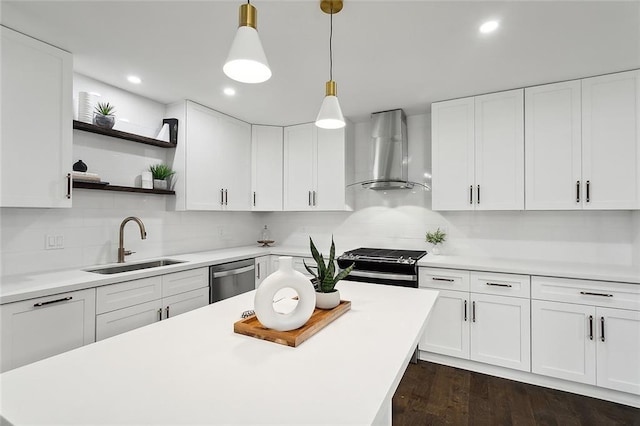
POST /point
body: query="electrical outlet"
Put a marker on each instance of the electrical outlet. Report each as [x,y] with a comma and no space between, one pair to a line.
[53,242]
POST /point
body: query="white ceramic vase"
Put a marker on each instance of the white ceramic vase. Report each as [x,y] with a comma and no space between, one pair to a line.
[327,300]
[435,250]
[284,277]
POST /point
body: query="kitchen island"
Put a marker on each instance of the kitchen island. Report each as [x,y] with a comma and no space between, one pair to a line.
[193,369]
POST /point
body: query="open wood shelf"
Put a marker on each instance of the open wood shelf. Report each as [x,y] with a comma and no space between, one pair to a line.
[102,187]
[86,127]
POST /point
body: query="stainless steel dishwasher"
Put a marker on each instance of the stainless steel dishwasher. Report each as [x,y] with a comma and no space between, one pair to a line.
[230,279]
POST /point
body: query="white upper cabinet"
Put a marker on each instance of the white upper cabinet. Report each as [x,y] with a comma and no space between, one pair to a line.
[37,120]
[266,168]
[478,152]
[582,144]
[553,146]
[314,168]
[611,141]
[214,158]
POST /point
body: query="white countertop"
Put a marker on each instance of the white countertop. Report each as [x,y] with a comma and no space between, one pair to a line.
[626,274]
[194,369]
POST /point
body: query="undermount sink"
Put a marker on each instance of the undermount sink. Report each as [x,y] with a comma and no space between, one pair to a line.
[127,267]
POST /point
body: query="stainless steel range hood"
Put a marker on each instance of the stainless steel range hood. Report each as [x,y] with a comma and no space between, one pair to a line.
[390,148]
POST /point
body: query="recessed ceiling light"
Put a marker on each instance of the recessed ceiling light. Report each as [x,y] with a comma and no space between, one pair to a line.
[134,79]
[489,27]
[229,91]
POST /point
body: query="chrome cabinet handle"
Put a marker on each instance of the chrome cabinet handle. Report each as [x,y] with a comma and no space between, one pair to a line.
[465,310]
[602,329]
[590,327]
[309,198]
[478,194]
[499,285]
[258,271]
[64,299]
[222,197]
[588,196]
[473,311]
[588,293]
[470,194]
[226,198]
[69,180]
[160,314]
[449,280]
[254,198]
[577,191]
[167,312]
[314,198]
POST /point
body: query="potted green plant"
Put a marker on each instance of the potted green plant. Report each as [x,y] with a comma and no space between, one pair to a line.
[161,173]
[325,277]
[104,115]
[435,238]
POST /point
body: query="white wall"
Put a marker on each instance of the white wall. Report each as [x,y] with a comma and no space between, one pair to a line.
[401,219]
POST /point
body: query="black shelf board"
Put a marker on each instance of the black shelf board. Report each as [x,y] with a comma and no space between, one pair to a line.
[102,187]
[92,128]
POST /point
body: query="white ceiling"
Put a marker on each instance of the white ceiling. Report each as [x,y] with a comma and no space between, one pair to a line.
[387,54]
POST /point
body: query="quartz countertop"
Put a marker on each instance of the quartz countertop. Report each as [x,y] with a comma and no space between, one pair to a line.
[193,369]
[588,271]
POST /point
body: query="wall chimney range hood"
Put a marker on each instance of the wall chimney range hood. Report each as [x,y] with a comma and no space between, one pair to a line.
[390,151]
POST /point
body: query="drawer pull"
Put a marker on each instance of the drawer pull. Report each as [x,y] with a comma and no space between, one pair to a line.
[465,310]
[602,328]
[449,280]
[37,305]
[499,285]
[160,314]
[588,293]
[577,191]
[590,327]
[167,312]
[473,311]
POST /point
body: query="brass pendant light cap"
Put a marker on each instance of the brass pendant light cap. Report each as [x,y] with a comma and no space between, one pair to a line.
[331,88]
[248,16]
[331,6]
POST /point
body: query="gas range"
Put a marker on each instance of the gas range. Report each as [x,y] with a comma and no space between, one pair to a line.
[383,266]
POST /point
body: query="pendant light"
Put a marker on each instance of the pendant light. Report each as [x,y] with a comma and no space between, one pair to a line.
[246,61]
[330,115]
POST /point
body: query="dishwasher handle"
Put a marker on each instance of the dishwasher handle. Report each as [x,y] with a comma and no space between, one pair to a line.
[233,272]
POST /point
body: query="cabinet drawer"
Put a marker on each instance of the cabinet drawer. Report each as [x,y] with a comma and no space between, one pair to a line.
[446,279]
[184,281]
[123,320]
[586,292]
[500,284]
[118,296]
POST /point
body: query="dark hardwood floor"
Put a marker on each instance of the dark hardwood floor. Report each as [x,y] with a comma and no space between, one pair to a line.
[432,394]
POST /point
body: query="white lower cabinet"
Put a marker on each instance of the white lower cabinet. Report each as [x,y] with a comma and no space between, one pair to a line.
[587,331]
[262,264]
[35,329]
[129,305]
[489,324]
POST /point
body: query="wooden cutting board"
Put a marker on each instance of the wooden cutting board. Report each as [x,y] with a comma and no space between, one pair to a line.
[319,319]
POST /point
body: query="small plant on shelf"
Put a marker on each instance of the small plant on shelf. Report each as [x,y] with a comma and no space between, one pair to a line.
[435,238]
[104,115]
[161,173]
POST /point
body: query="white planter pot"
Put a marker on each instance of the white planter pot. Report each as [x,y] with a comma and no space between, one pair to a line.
[159,184]
[327,300]
[435,251]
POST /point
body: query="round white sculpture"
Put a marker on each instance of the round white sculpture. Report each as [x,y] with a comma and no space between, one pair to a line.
[284,277]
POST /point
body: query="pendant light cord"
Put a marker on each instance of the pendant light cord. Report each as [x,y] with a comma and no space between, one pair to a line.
[330,45]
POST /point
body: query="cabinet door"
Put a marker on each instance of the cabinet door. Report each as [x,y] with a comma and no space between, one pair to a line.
[262,268]
[447,330]
[122,320]
[266,167]
[204,159]
[298,171]
[329,170]
[185,302]
[563,341]
[235,163]
[618,349]
[553,147]
[611,141]
[39,328]
[181,282]
[500,331]
[452,150]
[499,151]
[37,120]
